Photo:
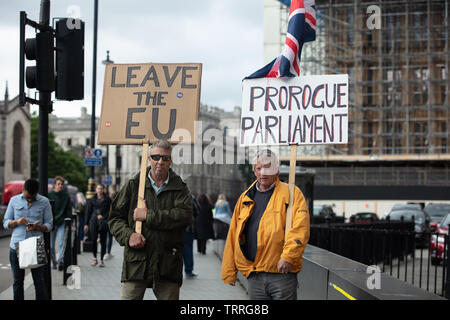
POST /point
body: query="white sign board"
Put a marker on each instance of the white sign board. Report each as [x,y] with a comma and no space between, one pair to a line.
[302,110]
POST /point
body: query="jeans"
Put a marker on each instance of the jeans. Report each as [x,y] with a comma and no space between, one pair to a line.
[81,227]
[188,254]
[58,232]
[19,276]
[272,286]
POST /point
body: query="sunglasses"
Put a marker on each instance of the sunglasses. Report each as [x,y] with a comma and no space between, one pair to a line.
[156,157]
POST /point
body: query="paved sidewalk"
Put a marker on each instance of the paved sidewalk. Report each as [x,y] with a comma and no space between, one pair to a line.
[104,283]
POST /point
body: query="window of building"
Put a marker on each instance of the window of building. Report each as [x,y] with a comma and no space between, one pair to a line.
[18,141]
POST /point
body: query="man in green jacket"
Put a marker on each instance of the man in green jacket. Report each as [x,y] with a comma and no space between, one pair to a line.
[153,258]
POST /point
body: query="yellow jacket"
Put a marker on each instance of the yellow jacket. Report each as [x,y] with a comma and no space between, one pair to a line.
[272,243]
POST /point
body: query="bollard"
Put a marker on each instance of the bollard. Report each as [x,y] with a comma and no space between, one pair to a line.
[76,241]
[67,248]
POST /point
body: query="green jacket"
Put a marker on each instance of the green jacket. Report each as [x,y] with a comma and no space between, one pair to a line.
[63,206]
[168,214]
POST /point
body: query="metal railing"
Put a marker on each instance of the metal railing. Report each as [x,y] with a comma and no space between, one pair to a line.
[395,248]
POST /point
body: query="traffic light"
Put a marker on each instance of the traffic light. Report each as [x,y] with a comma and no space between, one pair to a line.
[69,60]
[41,76]
[69,77]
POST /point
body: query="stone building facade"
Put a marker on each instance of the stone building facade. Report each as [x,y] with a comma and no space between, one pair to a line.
[15,160]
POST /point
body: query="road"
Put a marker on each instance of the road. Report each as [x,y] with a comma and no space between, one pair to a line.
[5,268]
[426,276]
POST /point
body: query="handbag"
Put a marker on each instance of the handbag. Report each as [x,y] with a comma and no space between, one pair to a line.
[31,253]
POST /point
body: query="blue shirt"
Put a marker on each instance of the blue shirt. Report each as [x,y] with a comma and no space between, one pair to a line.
[39,210]
[154,185]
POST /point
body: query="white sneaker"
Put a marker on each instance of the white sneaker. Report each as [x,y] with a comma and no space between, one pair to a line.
[108,256]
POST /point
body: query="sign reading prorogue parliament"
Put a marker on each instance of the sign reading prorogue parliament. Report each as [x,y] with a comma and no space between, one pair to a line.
[301,110]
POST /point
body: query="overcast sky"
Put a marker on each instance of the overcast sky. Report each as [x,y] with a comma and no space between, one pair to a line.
[226,36]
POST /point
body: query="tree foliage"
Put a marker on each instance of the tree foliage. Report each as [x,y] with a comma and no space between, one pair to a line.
[60,162]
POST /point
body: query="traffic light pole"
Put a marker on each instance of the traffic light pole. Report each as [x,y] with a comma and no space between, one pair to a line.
[45,105]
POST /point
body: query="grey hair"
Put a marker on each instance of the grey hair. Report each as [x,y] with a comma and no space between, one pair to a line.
[163,144]
[266,156]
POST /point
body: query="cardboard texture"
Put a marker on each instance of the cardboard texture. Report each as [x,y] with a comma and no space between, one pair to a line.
[145,102]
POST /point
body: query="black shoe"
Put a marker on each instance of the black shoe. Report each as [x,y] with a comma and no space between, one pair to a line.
[191,275]
[61,267]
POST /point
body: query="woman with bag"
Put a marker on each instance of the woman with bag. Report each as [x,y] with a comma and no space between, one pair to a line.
[222,217]
[97,212]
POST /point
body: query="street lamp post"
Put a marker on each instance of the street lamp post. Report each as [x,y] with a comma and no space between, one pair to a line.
[94,80]
[105,62]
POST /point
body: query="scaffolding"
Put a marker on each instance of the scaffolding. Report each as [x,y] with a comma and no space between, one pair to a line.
[398,74]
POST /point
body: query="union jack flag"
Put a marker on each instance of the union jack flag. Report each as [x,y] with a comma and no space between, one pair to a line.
[301,29]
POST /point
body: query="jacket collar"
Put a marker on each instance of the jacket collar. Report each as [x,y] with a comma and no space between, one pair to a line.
[175,182]
[250,192]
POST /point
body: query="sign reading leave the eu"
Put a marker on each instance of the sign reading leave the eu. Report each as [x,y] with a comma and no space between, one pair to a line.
[149,101]
[301,110]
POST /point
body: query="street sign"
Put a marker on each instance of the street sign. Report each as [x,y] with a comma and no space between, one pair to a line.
[107,180]
[93,157]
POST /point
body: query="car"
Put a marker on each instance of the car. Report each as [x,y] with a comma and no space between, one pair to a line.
[364,217]
[11,189]
[406,206]
[421,222]
[323,211]
[436,211]
[437,241]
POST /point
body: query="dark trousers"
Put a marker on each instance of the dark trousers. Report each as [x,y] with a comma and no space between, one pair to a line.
[201,245]
[93,227]
[109,241]
[188,254]
[19,276]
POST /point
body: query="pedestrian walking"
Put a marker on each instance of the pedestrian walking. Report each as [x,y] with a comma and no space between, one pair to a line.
[189,236]
[80,207]
[204,223]
[222,217]
[63,210]
[28,215]
[109,237]
[257,245]
[153,258]
[97,212]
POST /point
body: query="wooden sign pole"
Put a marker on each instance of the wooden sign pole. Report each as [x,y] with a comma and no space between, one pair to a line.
[141,190]
[292,167]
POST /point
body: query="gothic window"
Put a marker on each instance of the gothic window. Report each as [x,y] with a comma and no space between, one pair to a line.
[18,137]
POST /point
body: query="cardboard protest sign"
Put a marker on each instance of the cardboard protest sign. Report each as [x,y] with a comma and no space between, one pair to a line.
[149,101]
[301,110]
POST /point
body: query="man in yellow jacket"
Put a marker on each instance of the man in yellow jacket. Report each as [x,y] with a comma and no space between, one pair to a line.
[257,245]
